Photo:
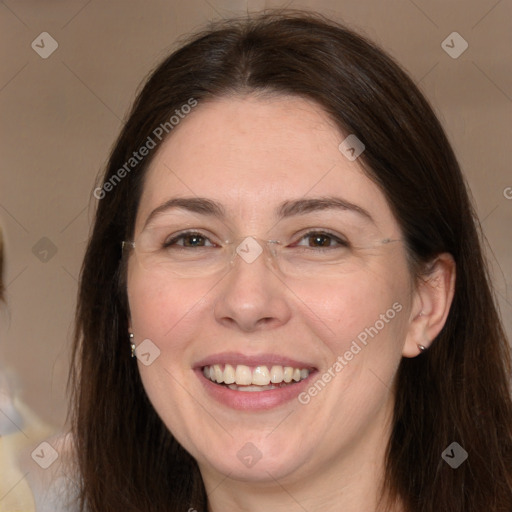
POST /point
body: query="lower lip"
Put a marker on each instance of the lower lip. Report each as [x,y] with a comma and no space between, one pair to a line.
[253,400]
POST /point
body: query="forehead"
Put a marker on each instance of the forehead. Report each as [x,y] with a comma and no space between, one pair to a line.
[251,154]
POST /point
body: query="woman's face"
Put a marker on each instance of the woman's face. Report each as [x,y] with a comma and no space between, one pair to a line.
[331,317]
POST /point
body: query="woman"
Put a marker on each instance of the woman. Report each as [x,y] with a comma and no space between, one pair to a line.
[284,241]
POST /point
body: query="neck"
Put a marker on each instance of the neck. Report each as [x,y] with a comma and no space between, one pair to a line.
[350,480]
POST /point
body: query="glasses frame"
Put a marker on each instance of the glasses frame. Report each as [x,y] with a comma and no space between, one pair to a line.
[270,244]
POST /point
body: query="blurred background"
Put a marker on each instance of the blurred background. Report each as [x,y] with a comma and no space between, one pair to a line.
[70,71]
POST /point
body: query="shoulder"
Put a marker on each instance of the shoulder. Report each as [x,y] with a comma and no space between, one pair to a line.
[52,476]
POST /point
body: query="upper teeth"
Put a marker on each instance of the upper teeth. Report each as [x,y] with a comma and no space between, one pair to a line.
[260,376]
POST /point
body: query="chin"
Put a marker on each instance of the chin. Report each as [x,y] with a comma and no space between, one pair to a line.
[259,461]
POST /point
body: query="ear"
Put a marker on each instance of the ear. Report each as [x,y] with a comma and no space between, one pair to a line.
[431,304]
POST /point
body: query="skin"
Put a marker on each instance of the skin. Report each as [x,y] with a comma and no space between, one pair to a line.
[250,154]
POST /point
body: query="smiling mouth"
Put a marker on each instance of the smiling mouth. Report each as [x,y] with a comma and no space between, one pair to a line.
[258,378]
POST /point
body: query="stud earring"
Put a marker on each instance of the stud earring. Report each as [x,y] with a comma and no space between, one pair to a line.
[132,344]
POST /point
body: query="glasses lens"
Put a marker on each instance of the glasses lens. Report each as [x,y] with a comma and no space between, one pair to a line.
[329,262]
[193,254]
[188,254]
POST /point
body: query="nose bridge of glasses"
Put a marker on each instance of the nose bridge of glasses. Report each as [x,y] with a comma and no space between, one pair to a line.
[250,248]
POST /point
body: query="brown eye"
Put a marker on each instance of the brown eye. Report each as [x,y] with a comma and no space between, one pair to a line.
[193,240]
[190,240]
[319,239]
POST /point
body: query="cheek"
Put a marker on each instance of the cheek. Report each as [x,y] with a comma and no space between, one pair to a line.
[356,306]
[159,306]
[166,312]
[362,324]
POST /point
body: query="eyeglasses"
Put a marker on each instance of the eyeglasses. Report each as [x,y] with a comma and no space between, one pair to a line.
[198,256]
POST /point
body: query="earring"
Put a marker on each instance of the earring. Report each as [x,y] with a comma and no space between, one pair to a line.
[132,344]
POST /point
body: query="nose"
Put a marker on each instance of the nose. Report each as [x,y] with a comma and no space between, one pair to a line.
[252,296]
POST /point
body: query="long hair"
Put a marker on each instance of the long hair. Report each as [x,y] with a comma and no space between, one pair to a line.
[458,391]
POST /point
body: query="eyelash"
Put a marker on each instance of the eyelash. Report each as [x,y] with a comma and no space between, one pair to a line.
[340,241]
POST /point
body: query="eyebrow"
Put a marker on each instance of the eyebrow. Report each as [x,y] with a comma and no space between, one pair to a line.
[208,207]
[305,206]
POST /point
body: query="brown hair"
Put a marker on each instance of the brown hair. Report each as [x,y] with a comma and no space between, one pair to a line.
[456,391]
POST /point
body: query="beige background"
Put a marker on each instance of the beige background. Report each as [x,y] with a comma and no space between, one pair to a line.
[60,117]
